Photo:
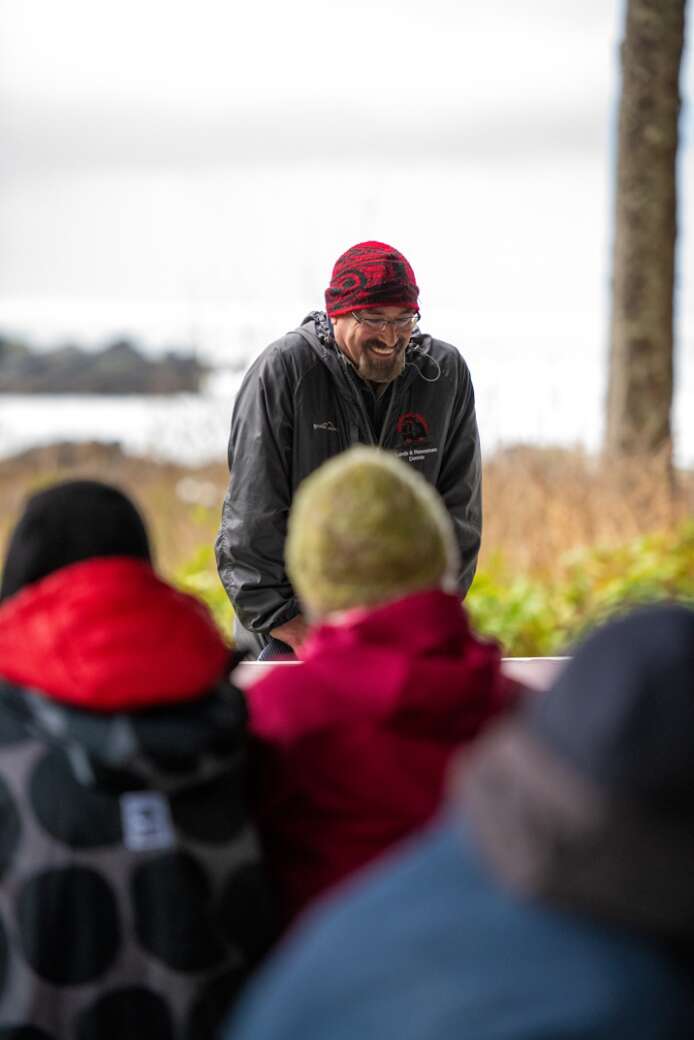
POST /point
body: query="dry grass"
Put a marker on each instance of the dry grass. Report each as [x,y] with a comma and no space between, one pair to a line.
[541,503]
[538,503]
[181,505]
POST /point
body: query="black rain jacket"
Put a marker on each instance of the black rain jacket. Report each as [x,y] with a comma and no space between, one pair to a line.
[300,403]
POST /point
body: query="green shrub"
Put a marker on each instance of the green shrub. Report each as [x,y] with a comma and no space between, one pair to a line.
[535,618]
[529,615]
[199,577]
[515,610]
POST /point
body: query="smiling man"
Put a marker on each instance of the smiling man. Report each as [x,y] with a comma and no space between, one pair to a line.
[361,372]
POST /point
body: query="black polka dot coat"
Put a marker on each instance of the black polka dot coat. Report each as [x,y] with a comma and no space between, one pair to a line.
[133,900]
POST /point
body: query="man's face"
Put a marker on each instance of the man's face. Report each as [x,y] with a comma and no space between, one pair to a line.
[378,354]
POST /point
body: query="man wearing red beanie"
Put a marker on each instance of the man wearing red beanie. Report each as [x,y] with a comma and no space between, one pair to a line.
[361,372]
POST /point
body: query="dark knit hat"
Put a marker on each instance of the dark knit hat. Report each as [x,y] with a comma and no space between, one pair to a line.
[585,799]
[371,274]
[69,522]
[622,711]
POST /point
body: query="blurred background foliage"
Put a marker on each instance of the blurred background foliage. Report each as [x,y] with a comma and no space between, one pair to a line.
[533,617]
[567,540]
[529,616]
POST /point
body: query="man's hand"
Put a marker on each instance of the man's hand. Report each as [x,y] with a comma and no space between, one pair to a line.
[293,632]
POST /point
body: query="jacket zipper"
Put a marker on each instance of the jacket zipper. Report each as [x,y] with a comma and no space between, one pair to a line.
[356,395]
[364,415]
[389,410]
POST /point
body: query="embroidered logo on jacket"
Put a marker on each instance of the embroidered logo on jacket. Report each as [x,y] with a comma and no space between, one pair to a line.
[329,425]
[414,437]
[413,428]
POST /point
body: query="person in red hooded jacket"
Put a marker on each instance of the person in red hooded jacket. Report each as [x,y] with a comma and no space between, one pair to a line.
[133,898]
[352,744]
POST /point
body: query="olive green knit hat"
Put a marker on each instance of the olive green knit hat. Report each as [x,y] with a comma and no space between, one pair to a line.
[366,528]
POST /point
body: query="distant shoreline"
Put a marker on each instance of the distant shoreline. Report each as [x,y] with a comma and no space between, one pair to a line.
[120,368]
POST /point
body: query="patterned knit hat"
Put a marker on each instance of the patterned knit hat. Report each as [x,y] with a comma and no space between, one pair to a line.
[371,274]
[364,529]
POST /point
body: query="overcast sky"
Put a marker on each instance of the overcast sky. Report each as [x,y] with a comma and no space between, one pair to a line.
[214,68]
[194,155]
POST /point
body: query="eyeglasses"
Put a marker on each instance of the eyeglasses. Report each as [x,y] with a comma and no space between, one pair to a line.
[404,324]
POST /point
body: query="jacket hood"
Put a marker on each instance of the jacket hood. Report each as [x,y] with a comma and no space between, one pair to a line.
[122,675]
[109,635]
[413,663]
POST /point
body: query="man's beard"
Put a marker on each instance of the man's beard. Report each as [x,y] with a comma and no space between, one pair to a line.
[379,369]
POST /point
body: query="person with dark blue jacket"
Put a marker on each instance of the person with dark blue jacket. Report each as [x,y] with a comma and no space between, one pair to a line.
[552,901]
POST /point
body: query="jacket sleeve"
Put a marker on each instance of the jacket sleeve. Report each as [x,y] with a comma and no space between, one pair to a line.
[250,543]
[460,478]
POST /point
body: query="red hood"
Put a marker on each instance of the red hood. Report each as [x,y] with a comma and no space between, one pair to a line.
[107,634]
[353,744]
[414,662]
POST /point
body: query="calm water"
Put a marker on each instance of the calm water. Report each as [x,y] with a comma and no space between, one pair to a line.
[512,261]
[542,397]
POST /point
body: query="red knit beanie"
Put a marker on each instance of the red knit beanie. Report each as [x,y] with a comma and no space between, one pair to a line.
[371,274]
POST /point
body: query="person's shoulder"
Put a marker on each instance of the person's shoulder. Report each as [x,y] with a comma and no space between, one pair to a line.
[308,988]
[408,889]
[429,923]
[435,358]
[440,349]
[280,351]
[276,699]
[291,355]
[441,346]
[18,704]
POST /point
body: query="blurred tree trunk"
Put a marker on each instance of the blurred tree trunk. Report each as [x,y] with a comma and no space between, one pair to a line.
[641,335]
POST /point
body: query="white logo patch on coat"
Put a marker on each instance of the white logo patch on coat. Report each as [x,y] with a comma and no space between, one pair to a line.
[146,821]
